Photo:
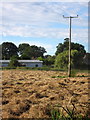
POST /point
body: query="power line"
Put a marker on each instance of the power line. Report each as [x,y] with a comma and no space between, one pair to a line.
[69,63]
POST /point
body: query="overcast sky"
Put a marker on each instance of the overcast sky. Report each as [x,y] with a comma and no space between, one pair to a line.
[42,23]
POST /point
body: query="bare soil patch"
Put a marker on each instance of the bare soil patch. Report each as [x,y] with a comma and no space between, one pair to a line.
[29,94]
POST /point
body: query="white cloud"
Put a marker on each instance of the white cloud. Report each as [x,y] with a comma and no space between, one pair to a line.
[33,20]
[44,1]
[38,14]
[80,35]
[26,31]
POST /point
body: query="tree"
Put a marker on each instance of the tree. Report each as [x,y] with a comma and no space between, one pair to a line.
[62,47]
[47,59]
[37,51]
[40,58]
[30,52]
[26,55]
[61,60]
[14,62]
[74,46]
[8,50]
[42,51]
[22,48]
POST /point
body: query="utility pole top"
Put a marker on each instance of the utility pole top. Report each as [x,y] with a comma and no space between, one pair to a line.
[71,16]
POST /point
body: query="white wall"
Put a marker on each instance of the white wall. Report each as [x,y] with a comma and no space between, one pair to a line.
[4,64]
[31,64]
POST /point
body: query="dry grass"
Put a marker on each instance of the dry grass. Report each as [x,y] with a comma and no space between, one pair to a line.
[28,94]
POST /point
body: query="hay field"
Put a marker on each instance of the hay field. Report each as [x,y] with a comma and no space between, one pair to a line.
[29,94]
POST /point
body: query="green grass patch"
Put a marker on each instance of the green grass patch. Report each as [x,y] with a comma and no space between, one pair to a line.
[46,68]
[67,76]
[58,112]
[74,72]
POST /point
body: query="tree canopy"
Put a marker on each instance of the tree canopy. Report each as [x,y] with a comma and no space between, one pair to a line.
[62,47]
[30,52]
[37,51]
[47,60]
[22,47]
[8,50]
[23,51]
[61,60]
[74,46]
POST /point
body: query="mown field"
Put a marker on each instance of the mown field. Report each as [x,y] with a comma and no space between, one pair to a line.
[30,94]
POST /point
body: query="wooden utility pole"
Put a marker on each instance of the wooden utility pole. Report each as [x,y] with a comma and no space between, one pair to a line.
[69,63]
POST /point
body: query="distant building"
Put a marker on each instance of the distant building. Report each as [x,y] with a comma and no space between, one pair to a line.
[26,63]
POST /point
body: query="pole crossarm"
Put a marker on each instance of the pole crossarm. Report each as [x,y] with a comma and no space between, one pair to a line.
[71,16]
[69,64]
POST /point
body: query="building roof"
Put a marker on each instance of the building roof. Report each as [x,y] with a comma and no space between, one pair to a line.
[4,60]
[32,61]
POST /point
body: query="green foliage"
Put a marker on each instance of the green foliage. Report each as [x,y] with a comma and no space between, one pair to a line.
[47,60]
[51,60]
[8,68]
[30,52]
[37,51]
[78,59]
[22,47]
[70,111]
[40,58]
[74,46]
[61,60]
[62,47]
[8,50]
[26,55]
[55,114]
[58,113]
[13,62]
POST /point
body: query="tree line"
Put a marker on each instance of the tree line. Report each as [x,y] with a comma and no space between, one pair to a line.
[23,51]
[60,60]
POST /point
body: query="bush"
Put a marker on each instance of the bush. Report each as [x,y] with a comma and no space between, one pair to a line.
[13,62]
[61,60]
